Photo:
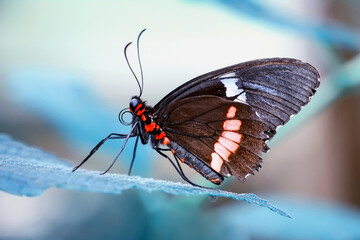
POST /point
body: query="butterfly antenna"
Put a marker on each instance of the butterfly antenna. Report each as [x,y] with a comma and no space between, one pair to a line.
[138,53]
[127,61]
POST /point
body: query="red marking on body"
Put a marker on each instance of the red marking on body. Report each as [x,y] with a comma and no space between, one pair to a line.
[222,151]
[160,136]
[232,125]
[230,145]
[143,118]
[140,112]
[157,127]
[231,112]
[172,150]
[214,180]
[166,141]
[233,136]
[182,160]
[149,127]
[138,107]
[191,165]
[216,162]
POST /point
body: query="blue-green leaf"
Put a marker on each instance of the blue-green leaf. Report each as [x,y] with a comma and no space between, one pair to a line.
[29,171]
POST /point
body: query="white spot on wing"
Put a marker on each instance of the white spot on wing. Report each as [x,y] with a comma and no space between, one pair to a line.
[241,97]
[232,89]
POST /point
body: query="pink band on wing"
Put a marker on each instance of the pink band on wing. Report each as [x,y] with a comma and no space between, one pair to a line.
[216,162]
[233,136]
[222,151]
[230,145]
[231,112]
[232,125]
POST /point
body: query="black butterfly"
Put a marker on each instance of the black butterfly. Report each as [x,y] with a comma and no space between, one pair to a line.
[218,123]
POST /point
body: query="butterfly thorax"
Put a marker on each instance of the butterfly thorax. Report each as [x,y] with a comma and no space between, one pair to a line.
[147,126]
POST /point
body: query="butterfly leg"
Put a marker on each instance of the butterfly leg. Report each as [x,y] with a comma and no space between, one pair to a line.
[131,134]
[164,149]
[134,153]
[110,136]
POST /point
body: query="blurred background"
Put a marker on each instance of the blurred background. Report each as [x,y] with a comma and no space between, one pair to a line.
[63,80]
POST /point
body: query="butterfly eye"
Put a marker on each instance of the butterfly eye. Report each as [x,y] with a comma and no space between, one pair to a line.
[134,102]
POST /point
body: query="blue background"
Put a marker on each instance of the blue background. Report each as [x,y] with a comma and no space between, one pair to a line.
[63,80]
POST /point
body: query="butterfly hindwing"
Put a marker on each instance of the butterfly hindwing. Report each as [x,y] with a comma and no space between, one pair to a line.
[227,136]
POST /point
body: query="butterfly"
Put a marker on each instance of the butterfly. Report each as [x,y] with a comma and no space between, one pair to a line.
[219,123]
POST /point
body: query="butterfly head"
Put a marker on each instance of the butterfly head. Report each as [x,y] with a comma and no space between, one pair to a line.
[135,103]
[136,108]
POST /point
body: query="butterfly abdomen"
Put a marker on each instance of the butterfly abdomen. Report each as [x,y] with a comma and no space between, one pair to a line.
[195,163]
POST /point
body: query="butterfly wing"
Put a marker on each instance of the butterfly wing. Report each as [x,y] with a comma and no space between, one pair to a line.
[227,136]
[276,88]
[223,118]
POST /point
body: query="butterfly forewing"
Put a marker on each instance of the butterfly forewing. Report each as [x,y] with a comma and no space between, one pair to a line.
[277,87]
